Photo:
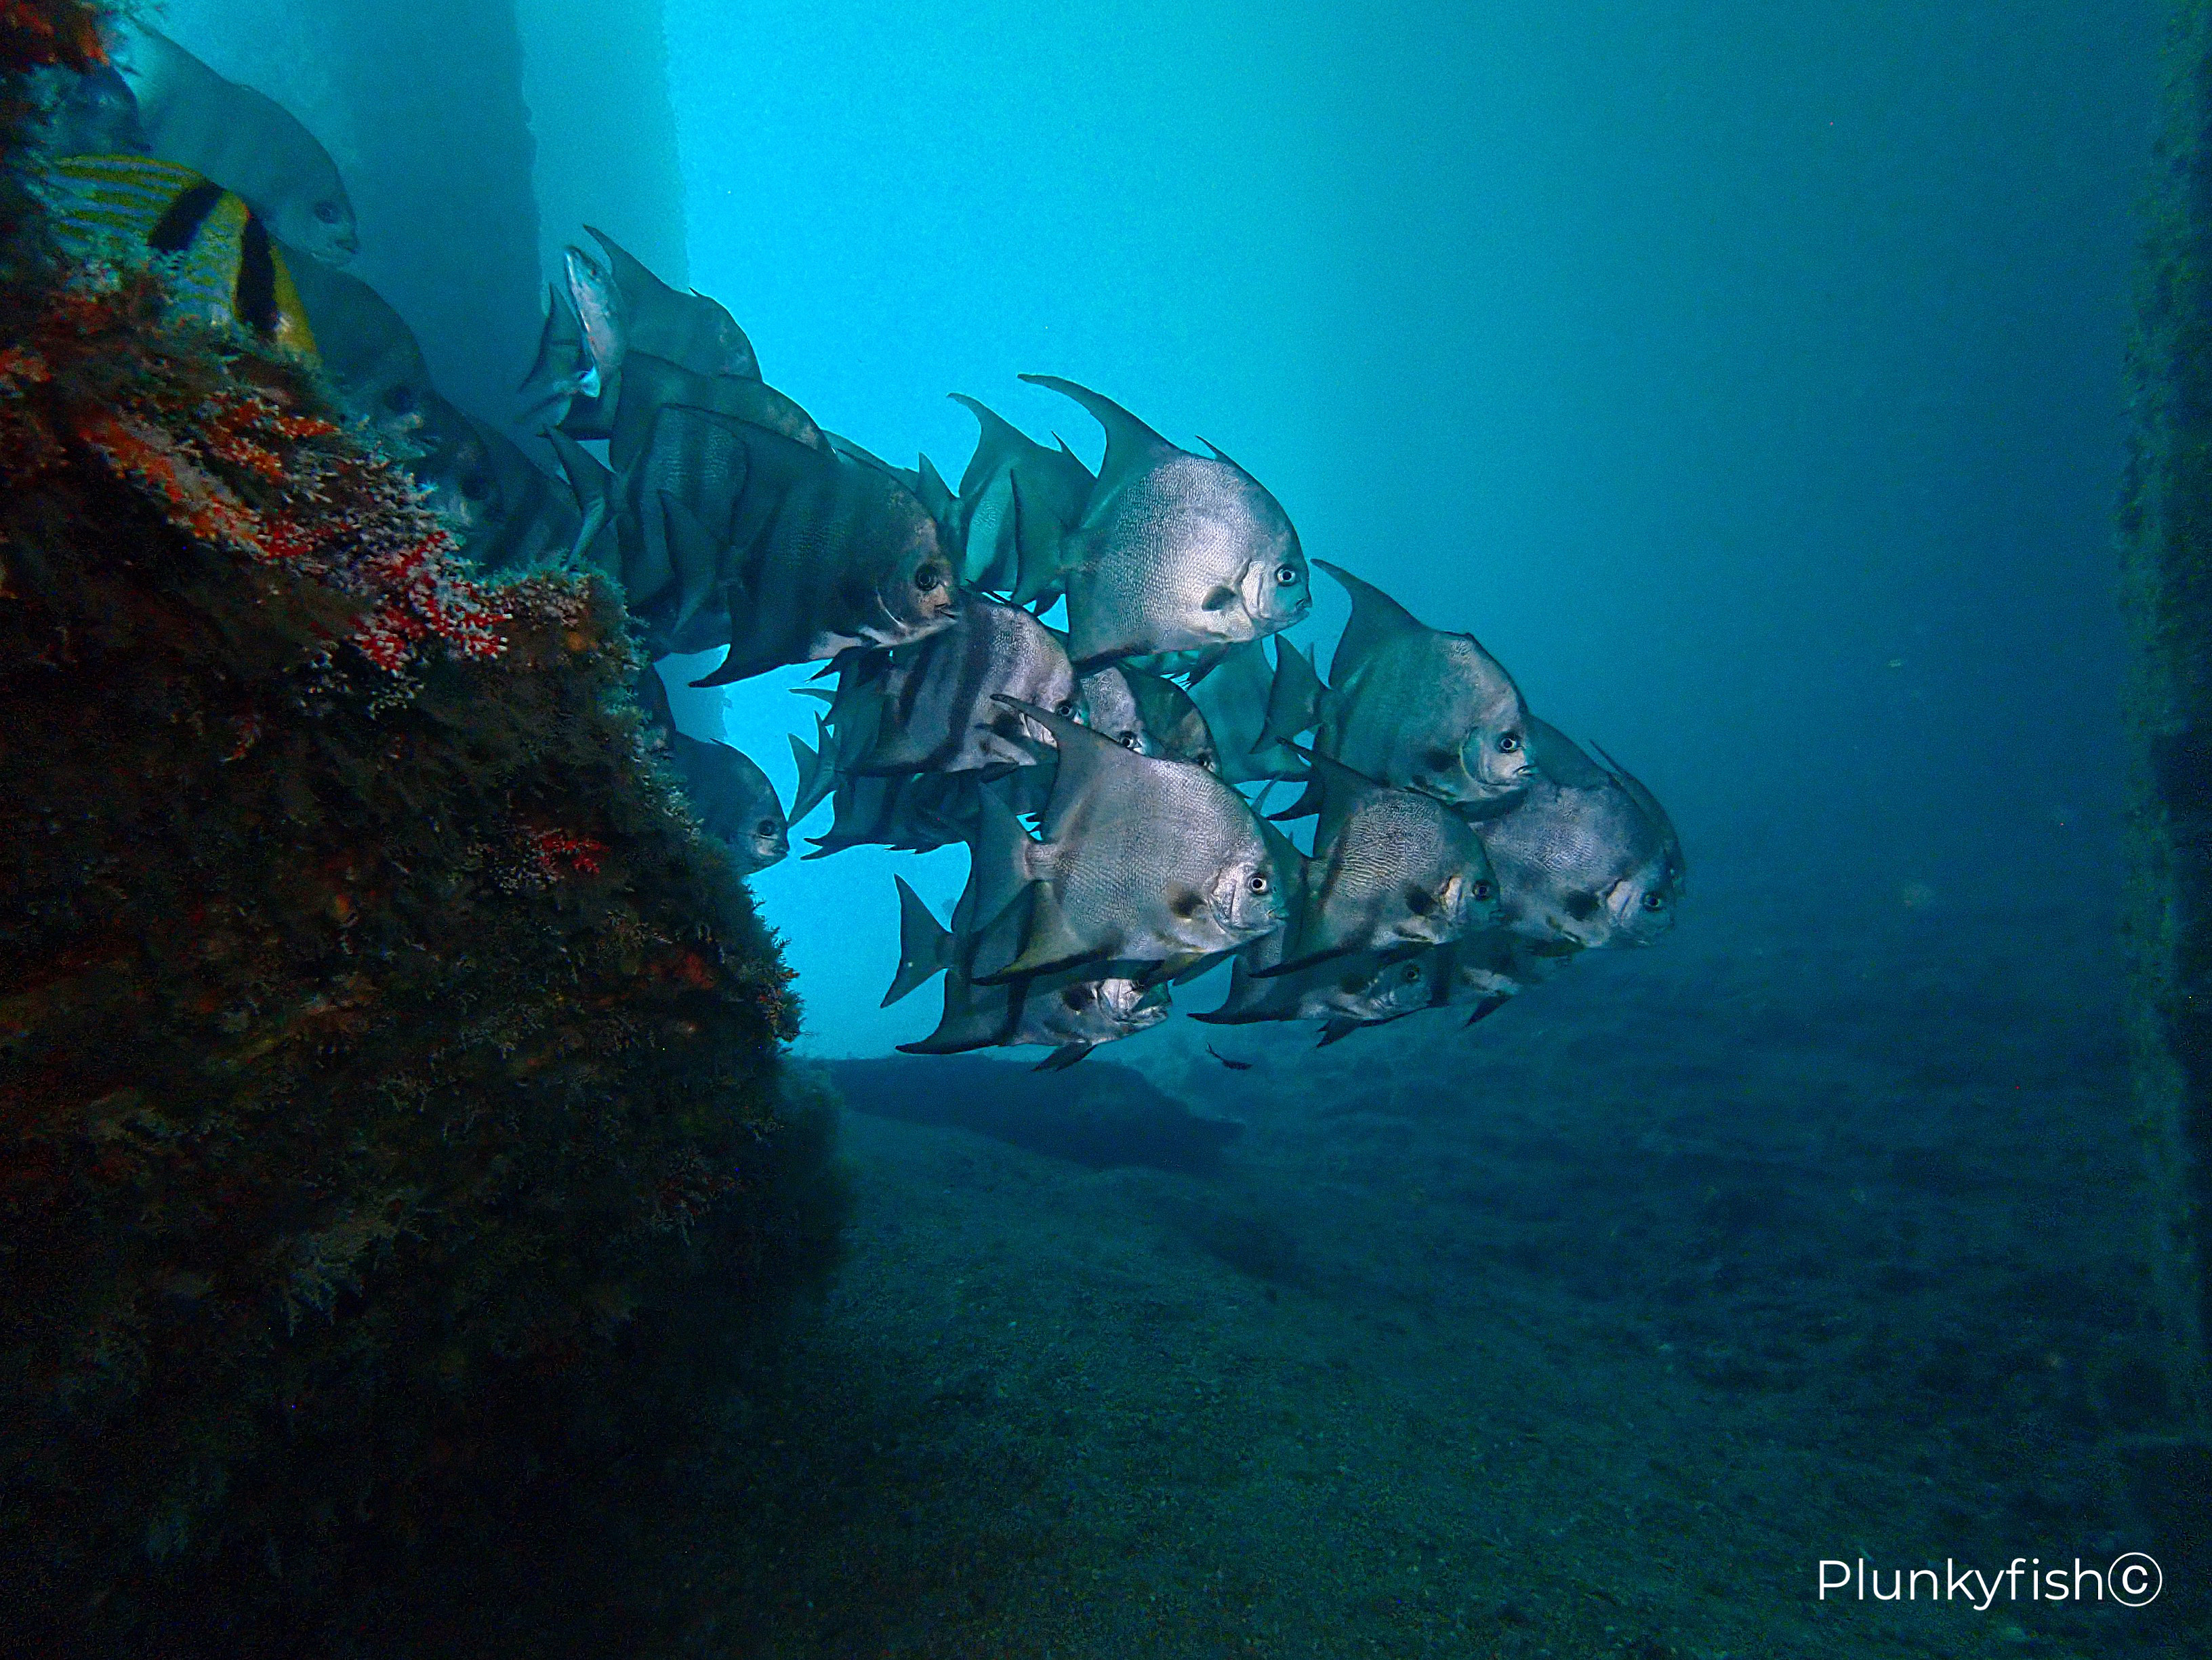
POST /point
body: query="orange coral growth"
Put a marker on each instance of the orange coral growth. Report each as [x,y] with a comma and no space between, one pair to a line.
[195,502]
[233,462]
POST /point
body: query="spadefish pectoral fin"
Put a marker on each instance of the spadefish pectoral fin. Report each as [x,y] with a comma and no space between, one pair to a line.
[1063,1057]
[1375,619]
[1049,943]
[1489,1006]
[926,947]
[1337,1029]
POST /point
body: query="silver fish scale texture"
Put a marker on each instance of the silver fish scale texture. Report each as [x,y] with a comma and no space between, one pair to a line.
[1175,839]
[1161,546]
[1589,836]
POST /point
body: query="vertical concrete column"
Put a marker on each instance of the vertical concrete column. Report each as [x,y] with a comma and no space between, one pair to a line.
[595,77]
[2165,533]
[448,220]
[421,106]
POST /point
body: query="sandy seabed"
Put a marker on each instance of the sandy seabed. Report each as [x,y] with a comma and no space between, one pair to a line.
[1592,1330]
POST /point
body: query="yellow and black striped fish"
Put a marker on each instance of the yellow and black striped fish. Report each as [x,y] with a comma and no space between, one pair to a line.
[230,271]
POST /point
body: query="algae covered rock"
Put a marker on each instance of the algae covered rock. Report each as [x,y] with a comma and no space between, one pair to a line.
[391,1125]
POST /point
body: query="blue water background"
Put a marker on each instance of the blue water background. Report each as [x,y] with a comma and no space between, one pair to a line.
[1747,377]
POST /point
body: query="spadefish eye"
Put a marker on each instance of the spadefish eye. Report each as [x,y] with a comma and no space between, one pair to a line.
[1653,902]
[1257,884]
[1508,743]
[1410,972]
[1483,890]
[328,213]
[1287,575]
[765,827]
[928,577]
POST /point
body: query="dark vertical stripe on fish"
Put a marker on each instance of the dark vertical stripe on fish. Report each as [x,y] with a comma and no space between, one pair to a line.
[174,231]
[255,298]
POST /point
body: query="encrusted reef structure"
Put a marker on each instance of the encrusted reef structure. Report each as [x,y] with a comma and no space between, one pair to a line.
[394,1148]
[2165,528]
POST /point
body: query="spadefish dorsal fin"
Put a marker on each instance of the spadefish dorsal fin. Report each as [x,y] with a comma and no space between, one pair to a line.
[1293,697]
[931,488]
[1290,863]
[693,552]
[1000,870]
[1038,540]
[632,276]
[553,372]
[1131,446]
[1165,708]
[1227,460]
[817,772]
[999,443]
[1375,619]
[588,477]
[925,946]
[1309,802]
[1561,759]
[1649,803]
[1342,789]
[1086,757]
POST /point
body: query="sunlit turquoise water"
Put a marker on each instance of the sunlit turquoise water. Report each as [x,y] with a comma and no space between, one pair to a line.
[1746,378]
